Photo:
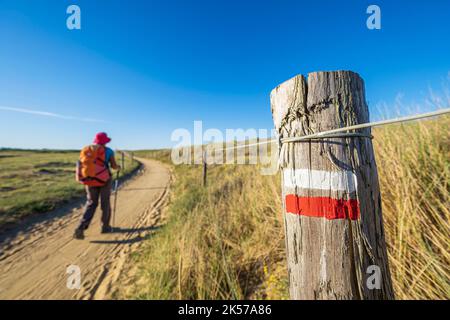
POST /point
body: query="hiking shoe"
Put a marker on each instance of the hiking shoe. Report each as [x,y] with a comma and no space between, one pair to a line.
[106,229]
[79,234]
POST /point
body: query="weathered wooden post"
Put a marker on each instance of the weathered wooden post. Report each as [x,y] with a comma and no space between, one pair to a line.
[331,199]
[205,167]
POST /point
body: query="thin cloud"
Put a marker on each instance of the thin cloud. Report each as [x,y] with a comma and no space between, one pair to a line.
[49,114]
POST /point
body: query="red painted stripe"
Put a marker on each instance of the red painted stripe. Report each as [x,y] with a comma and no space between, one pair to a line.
[323,207]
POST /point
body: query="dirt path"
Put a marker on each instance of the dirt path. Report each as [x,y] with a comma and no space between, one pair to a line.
[34,259]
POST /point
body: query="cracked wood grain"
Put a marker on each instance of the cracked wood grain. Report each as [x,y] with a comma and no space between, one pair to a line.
[328,259]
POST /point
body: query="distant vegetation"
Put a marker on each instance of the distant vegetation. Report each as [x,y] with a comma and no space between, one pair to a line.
[37,181]
[226,241]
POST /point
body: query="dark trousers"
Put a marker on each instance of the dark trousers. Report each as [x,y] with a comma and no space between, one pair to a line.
[93,195]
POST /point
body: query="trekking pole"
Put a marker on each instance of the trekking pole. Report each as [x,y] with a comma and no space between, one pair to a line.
[116,186]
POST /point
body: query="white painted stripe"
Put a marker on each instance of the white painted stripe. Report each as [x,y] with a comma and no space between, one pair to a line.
[321,180]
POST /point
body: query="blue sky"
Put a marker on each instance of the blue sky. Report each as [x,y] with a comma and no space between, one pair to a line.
[140,69]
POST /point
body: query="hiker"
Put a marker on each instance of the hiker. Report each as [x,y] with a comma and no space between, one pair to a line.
[93,170]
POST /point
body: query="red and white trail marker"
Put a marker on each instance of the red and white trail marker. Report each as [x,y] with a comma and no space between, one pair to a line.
[322,194]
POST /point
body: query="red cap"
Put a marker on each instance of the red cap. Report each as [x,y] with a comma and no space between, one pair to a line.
[101,138]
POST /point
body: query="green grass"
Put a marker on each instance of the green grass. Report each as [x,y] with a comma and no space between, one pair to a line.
[226,241]
[38,181]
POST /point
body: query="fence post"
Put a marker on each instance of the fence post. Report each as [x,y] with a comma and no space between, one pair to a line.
[331,200]
[205,168]
[123,161]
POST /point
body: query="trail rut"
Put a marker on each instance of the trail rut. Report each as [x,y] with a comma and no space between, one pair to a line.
[34,257]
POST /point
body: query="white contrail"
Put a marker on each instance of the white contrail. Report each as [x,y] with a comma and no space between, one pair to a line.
[49,114]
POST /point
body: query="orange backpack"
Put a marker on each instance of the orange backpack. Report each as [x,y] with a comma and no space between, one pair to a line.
[92,170]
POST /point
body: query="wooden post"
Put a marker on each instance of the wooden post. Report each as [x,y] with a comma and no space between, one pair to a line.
[205,168]
[331,199]
[123,161]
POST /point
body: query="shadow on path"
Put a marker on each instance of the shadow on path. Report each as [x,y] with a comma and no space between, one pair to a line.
[135,239]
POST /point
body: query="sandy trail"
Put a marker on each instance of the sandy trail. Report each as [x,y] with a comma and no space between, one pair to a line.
[34,258]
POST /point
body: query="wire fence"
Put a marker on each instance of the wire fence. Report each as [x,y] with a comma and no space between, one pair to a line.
[334,133]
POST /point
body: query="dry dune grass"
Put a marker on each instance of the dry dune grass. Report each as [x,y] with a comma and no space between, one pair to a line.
[226,241]
[414,171]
